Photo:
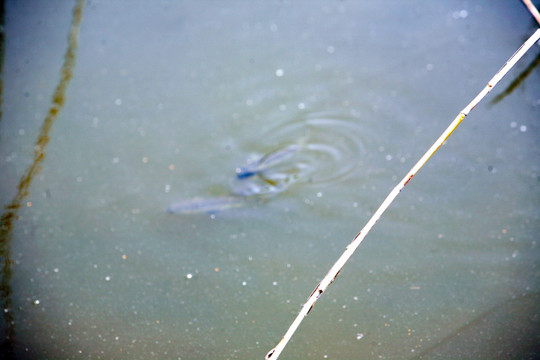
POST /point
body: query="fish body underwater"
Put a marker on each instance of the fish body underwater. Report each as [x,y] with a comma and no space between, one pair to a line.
[266,162]
[205,205]
[255,179]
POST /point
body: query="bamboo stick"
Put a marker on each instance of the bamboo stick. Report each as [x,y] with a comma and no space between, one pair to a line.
[350,249]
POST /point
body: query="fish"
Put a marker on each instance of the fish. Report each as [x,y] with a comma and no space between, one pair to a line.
[266,161]
[206,205]
[244,187]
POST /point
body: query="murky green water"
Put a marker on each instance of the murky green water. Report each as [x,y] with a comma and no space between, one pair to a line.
[168,99]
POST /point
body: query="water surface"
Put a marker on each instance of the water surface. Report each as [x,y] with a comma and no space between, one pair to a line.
[168,99]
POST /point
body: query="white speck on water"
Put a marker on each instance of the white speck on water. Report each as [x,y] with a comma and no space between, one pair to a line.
[301,106]
[244,283]
[279,72]
[331,49]
[515,254]
[167,188]
[107,278]
[274,283]
[115,160]
[189,276]
[513,124]
[36,302]
[523,128]
[11,157]
[118,102]
[56,270]
[462,14]
[355,204]
[359,336]
[319,194]
[388,157]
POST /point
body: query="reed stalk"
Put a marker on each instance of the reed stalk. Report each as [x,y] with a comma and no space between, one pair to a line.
[533,10]
[350,249]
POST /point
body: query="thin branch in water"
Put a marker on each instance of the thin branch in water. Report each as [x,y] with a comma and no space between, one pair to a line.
[10,215]
[350,249]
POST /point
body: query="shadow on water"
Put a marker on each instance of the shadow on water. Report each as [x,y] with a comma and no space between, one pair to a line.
[517,81]
[521,76]
[10,213]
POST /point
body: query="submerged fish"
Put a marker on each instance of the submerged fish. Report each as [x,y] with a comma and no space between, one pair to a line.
[266,162]
[205,205]
[254,180]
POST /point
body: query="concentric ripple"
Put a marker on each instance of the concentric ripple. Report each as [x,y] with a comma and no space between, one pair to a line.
[317,148]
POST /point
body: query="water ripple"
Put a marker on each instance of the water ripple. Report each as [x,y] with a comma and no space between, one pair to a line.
[327,148]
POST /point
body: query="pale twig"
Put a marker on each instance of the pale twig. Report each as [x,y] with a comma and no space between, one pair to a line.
[533,10]
[349,250]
